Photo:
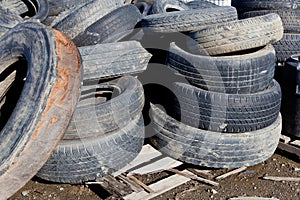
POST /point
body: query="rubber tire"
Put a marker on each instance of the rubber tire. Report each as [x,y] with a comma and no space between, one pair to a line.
[200,4]
[76,20]
[227,113]
[109,114]
[290,108]
[188,20]
[111,60]
[46,104]
[241,35]
[248,5]
[290,18]
[287,46]
[77,161]
[243,74]
[110,28]
[162,6]
[8,20]
[41,6]
[143,7]
[212,149]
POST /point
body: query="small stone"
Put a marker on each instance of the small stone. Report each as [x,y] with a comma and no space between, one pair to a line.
[61,189]
[282,165]
[297,169]
[50,196]
[25,192]
[254,188]
[214,191]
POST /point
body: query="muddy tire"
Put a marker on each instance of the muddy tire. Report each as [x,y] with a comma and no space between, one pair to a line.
[244,74]
[110,28]
[76,161]
[34,9]
[290,18]
[74,21]
[110,60]
[188,20]
[241,35]
[46,103]
[212,149]
[230,113]
[287,46]
[111,112]
[164,6]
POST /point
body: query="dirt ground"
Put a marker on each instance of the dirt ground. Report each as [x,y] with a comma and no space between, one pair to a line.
[246,183]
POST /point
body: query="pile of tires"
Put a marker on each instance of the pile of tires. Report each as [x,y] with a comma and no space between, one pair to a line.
[74,113]
[231,105]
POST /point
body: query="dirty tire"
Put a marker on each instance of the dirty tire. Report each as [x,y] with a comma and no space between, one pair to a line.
[290,18]
[188,20]
[8,20]
[287,46]
[236,35]
[110,28]
[110,60]
[46,104]
[107,114]
[76,20]
[212,149]
[34,9]
[247,5]
[244,74]
[200,4]
[76,161]
[230,113]
[290,85]
[164,6]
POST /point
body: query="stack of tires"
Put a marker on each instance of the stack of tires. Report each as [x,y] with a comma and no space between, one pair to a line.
[229,112]
[286,72]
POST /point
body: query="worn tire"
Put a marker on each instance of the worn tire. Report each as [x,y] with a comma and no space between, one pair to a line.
[98,116]
[76,161]
[290,18]
[110,28]
[231,113]
[164,6]
[247,5]
[200,4]
[212,149]
[244,74]
[111,60]
[237,35]
[143,7]
[8,20]
[188,20]
[287,46]
[76,20]
[34,9]
[46,104]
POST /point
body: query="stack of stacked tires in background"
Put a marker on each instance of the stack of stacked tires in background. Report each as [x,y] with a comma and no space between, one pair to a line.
[229,112]
[82,90]
[286,74]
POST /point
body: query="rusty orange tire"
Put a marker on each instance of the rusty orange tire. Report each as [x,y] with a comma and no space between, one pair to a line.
[46,103]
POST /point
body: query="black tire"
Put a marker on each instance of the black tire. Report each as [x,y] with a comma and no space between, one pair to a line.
[212,149]
[8,20]
[76,161]
[230,113]
[110,28]
[164,6]
[46,103]
[247,5]
[290,18]
[58,6]
[111,112]
[143,7]
[34,9]
[110,60]
[287,46]
[188,20]
[290,85]
[76,20]
[200,4]
[237,35]
[243,74]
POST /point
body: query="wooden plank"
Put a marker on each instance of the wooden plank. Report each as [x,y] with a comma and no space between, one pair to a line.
[252,198]
[202,173]
[277,178]
[159,187]
[147,188]
[135,187]
[114,187]
[231,173]
[289,148]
